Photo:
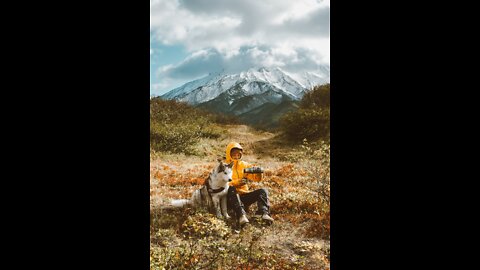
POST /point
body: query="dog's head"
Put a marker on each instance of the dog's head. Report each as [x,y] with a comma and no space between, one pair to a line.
[224,171]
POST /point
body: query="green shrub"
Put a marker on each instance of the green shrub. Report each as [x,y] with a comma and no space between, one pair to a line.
[176,127]
[312,120]
[172,138]
[310,124]
[317,162]
[203,225]
[319,96]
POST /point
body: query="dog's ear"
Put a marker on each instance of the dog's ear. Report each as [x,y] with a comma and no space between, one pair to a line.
[221,167]
[220,159]
[230,165]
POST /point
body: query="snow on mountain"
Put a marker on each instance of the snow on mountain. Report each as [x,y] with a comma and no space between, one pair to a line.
[190,86]
[254,81]
[310,79]
[258,96]
[279,79]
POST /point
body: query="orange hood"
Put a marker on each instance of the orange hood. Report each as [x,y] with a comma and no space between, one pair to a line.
[230,146]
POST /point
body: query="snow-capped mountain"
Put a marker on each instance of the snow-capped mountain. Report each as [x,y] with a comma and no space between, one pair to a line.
[249,93]
[310,79]
[211,86]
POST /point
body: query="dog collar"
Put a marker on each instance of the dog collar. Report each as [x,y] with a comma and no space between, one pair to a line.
[210,190]
[215,190]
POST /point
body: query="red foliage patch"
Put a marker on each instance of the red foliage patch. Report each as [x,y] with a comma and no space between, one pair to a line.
[277,180]
[286,170]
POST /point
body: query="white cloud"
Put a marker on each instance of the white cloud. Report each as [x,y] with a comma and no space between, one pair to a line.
[290,59]
[233,35]
[231,24]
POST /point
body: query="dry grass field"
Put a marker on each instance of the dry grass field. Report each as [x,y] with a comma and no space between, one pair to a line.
[297,177]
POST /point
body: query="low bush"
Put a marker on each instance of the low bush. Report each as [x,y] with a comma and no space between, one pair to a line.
[176,127]
[312,119]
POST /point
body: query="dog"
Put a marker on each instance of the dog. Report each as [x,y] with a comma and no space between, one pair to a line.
[213,192]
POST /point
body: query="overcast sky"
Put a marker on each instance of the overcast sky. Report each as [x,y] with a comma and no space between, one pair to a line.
[191,38]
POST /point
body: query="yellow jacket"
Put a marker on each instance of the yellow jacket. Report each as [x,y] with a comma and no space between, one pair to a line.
[238,167]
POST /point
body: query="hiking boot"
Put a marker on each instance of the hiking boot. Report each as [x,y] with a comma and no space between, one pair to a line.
[242,220]
[265,217]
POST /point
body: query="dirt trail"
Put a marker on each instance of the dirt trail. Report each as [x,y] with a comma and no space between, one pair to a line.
[209,150]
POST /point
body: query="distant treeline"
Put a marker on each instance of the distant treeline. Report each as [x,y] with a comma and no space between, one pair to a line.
[311,120]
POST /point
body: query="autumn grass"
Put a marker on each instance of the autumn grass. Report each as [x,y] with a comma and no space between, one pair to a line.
[297,177]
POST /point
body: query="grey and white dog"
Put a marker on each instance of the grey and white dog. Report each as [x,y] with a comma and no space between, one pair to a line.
[213,192]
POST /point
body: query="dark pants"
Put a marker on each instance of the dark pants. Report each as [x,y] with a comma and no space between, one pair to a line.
[241,202]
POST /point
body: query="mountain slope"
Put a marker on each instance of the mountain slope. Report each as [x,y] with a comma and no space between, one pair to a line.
[254,93]
[268,115]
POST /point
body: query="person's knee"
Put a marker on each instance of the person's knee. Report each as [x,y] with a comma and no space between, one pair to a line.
[264,191]
[232,194]
[232,190]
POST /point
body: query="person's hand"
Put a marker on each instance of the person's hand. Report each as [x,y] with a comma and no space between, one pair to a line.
[243,181]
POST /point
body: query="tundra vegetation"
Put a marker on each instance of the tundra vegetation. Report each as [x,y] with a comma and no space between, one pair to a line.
[185,143]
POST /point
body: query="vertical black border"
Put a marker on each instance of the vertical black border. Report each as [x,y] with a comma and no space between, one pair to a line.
[367,138]
[83,136]
[400,136]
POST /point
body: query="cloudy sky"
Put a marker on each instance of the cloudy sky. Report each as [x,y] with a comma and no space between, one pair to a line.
[191,38]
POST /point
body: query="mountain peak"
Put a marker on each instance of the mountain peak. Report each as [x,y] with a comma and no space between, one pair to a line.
[256,95]
[254,81]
